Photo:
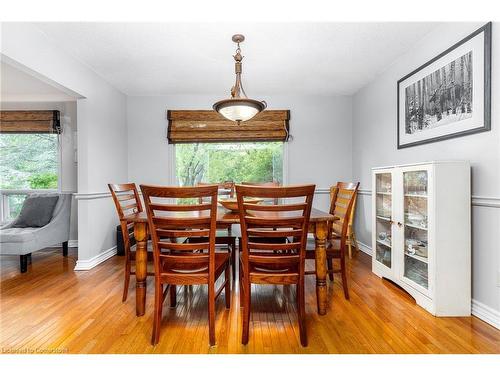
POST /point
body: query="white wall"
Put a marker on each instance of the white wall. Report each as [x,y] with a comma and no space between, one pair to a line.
[102,131]
[68,167]
[374,144]
[318,153]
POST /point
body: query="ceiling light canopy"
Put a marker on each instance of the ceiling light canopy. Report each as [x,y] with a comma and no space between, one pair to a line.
[239,107]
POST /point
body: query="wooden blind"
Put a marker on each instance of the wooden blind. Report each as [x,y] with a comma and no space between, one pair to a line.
[189,126]
[30,122]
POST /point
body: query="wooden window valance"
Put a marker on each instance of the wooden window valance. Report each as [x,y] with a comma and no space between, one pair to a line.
[188,126]
[30,122]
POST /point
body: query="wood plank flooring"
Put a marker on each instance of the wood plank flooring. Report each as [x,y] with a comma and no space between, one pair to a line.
[52,309]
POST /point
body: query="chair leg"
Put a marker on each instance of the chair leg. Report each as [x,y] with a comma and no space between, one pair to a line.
[354,241]
[127,277]
[246,311]
[242,289]
[211,313]
[23,263]
[233,257]
[349,246]
[173,296]
[157,313]
[65,248]
[329,262]
[344,274]
[29,258]
[301,310]
[227,288]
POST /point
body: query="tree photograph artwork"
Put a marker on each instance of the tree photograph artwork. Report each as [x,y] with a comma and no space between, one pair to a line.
[442,97]
[449,96]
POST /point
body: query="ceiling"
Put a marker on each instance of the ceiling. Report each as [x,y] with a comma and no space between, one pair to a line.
[196,58]
[18,86]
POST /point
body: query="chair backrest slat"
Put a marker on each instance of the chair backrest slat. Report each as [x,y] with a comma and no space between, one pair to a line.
[169,223]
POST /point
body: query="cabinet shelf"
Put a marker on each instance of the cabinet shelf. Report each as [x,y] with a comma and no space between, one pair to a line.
[384,218]
[384,193]
[417,257]
[415,226]
[384,243]
[416,195]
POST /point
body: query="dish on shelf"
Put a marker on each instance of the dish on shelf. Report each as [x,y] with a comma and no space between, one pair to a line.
[414,218]
[416,247]
[231,204]
[421,251]
[382,236]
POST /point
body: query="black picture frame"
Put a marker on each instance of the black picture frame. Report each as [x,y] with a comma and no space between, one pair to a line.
[486,29]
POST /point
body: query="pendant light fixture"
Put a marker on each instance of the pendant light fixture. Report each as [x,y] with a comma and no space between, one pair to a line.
[239,107]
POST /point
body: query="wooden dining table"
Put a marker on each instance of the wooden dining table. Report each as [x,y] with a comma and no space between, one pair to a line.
[318,224]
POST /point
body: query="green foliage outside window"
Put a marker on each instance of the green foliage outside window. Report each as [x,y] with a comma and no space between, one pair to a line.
[27,161]
[238,162]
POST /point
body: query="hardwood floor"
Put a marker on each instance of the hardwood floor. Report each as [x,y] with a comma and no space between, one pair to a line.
[52,309]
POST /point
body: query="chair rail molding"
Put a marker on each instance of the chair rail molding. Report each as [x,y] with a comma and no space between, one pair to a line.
[104,194]
[90,196]
[476,200]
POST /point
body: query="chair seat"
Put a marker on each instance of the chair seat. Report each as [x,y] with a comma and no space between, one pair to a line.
[18,235]
[193,274]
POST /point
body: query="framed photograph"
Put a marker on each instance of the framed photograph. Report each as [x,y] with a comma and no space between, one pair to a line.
[449,96]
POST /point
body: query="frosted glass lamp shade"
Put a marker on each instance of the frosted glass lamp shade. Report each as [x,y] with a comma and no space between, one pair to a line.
[239,109]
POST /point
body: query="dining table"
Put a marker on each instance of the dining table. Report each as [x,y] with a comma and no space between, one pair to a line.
[318,225]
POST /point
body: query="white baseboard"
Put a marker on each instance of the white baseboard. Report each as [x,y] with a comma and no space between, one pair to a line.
[486,313]
[73,243]
[364,248]
[85,265]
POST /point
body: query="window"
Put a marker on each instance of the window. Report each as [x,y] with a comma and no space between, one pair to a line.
[27,161]
[238,162]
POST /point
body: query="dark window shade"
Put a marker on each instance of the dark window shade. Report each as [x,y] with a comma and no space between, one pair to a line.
[30,122]
[190,126]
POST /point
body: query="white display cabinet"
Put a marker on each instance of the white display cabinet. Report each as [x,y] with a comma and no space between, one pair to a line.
[421,233]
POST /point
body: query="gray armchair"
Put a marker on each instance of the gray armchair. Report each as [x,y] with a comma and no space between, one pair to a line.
[24,241]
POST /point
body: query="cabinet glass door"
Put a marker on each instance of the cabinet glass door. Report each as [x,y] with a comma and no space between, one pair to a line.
[383,192]
[416,264]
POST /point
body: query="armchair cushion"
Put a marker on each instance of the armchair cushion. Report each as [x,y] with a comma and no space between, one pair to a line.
[36,211]
[18,234]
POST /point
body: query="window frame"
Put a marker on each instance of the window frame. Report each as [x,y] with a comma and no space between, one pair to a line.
[5,193]
[172,175]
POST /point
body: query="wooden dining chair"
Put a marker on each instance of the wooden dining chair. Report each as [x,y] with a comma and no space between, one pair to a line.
[341,209]
[337,226]
[127,202]
[271,262]
[224,235]
[181,262]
